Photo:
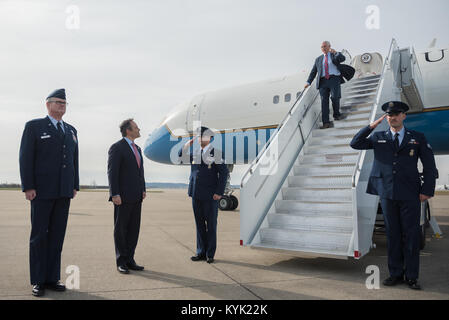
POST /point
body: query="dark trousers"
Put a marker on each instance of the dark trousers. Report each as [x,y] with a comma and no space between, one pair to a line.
[206,213]
[126,231]
[48,226]
[402,222]
[330,87]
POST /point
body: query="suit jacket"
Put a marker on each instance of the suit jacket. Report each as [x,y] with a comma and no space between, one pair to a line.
[347,72]
[317,68]
[125,177]
[395,173]
[48,163]
[208,176]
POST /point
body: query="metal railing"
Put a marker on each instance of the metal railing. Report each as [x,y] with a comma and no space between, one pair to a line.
[361,156]
[291,128]
[255,162]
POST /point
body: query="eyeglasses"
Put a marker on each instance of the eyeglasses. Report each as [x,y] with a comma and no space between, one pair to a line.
[61,103]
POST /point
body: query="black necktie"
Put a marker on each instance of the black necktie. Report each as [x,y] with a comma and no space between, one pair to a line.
[396,141]
[60,132]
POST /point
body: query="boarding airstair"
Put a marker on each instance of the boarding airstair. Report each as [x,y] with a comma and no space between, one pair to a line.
[305,191]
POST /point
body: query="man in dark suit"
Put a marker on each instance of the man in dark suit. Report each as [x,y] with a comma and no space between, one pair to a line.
[395,178]
[207,183]
[50,178]
[329,82]
[127,190]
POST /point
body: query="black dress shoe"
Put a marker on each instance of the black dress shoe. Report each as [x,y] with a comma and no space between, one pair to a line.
[134,266]
[392,281]
[325,125]
[38,290]
[123,269]
[210,260]
[198,258]
[413,284]
[340,117]
[55,286]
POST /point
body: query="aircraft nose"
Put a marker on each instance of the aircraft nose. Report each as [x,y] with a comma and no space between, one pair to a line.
[159,144]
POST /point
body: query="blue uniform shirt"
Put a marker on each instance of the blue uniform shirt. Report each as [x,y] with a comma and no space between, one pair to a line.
[394,174]
[332,67]
[48,163]
[208,175]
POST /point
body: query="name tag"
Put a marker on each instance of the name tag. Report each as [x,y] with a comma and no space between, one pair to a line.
[45,137]
[381,141]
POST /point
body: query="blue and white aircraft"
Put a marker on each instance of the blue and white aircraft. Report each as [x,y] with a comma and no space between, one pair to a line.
[244,117]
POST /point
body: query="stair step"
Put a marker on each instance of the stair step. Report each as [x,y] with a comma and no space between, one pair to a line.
[301,170]
[333,132]
[367,76]
[307,240]
[328,158]
[360,90]
[357,105]
[317,194]
[364,110]
[360,95]
[364,81]
[362,86]
[320,181]
[296,248]
[359,101]
[344,139]
[320,149]
[350,124]
[338,224]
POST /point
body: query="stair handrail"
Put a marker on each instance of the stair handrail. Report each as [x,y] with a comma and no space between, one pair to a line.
[255,162]
[361,156]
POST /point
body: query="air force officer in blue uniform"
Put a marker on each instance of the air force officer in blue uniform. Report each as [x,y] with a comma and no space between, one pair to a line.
[49,175]
[395,178]
[207,183]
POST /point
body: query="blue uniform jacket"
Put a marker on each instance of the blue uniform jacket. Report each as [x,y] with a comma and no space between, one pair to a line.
[207,177]
[395,174]
[48,164]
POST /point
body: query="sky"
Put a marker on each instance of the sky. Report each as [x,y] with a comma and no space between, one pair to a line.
[140,58]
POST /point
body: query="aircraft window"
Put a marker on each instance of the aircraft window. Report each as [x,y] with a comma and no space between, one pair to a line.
[287,97]
[297,94]
[276,99]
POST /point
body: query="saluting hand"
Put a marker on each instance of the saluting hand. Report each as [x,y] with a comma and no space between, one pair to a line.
[374,124]
[190,142]
[332,50]
[30,194]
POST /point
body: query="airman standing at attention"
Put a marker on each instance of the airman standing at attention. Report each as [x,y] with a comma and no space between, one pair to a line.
[49,173]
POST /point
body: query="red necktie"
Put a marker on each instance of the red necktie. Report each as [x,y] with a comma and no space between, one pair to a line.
[326,68]
[136,154]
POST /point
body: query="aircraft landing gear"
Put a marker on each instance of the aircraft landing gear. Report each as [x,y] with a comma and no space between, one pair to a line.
[228,202]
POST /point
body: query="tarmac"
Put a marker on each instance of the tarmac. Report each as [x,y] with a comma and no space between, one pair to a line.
[167,241]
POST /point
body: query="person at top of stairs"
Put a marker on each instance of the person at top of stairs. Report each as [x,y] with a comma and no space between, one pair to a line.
[329,81]
[395,178]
